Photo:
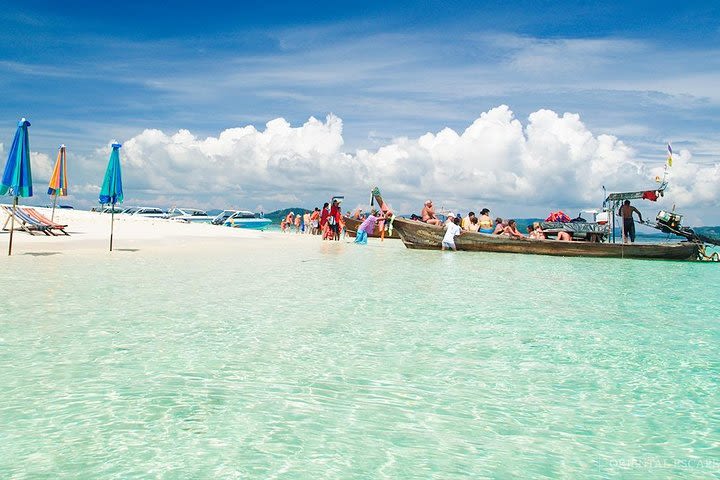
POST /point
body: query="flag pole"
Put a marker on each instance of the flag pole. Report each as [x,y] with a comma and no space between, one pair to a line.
[12,225]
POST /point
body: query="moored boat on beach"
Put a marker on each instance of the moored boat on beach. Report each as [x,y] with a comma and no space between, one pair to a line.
[352,225]
[241,219]
[188,215]
[420,235]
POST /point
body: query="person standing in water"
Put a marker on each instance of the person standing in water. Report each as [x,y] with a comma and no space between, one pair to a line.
[324,214]
[366,228]
[334,220]
[452,230]
[626,212]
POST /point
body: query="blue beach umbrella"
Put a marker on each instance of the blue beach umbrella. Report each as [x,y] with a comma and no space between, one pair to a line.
[111,191]
[17,178]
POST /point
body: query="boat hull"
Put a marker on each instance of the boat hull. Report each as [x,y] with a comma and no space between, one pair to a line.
[419,235]
[255,224]
[352,225]
[191,219]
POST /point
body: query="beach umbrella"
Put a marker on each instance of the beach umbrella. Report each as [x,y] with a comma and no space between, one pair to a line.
[17,179]
[111,191]
[58,181]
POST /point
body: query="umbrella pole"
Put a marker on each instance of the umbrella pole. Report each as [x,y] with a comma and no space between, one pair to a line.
[112,224]
[52,217]
[12,225]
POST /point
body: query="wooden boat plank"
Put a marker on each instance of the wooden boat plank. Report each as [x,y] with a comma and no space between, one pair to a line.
[351,226]
[419,235]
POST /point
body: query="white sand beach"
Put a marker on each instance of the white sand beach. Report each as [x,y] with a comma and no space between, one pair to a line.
[90,231]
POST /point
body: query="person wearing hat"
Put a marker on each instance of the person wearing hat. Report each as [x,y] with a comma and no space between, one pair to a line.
[452,230]
[428,214]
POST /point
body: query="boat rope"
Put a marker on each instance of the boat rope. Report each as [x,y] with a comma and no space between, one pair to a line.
[703,255]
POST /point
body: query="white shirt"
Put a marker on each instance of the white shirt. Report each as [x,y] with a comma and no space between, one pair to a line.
[451,232]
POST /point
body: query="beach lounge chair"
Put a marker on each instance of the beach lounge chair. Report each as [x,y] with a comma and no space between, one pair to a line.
[24,222]
[44,220]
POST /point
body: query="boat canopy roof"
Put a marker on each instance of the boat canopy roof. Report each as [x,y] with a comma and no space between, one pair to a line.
[644,194]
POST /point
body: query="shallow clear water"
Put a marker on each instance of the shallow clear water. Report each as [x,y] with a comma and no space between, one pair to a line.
[321,360]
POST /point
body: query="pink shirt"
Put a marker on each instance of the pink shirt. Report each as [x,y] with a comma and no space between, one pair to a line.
[368,226]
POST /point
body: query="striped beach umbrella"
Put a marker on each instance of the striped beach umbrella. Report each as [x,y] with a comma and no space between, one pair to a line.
[58,181]
[17,178]
[112,191]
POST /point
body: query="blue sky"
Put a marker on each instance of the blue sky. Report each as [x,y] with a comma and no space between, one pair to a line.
[87,73]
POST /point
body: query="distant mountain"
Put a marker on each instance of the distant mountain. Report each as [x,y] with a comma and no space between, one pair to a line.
[277,215]
[709,231]
[709,234]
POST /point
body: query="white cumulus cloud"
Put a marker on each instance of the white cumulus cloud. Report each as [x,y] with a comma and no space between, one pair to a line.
[551,160]
[41,166]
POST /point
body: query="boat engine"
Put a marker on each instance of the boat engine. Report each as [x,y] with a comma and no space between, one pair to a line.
[668,222]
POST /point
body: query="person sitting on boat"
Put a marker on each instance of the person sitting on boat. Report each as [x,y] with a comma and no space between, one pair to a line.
[452,230]
[474,225]
[536,232]
[367,227]
[512,231]
[428,214]
[499,226]
[485,222]
[564,236]
[465,224]
[626,212]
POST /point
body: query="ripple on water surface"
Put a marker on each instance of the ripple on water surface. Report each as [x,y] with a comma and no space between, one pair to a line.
[336,361]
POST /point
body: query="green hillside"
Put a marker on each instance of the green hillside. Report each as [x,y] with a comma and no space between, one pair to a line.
[278,215]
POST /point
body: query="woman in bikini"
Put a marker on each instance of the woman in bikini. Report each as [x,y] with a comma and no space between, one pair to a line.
[512,231]
[485,223]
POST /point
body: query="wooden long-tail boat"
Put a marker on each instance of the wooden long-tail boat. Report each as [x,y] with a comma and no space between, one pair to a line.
[420,235]
[352,225]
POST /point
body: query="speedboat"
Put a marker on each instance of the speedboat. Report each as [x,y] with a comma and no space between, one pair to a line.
[189,215]
[241,219]
[112,210]
[149,212]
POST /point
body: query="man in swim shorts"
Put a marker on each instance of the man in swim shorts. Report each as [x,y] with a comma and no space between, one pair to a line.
[626,212]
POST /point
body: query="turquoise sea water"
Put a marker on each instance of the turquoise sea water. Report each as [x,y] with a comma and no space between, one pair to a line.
[322,360]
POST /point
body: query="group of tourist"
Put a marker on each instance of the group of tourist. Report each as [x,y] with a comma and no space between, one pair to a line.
[456,225]
[326,222]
